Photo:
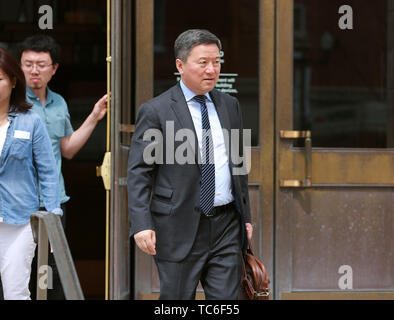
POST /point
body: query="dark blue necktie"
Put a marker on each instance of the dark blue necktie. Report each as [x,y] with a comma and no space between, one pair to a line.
[207,193]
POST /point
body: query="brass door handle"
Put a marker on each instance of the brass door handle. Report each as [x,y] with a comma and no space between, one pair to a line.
[307,135]
[104,171]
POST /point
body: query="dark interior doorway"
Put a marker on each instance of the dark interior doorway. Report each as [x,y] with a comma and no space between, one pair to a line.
[80,29]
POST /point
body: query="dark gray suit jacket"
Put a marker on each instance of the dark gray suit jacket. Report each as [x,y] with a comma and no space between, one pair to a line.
[165,197]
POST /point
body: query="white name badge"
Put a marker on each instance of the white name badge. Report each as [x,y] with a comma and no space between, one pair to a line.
[22,134]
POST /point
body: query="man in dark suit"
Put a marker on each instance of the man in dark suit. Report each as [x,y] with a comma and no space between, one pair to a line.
[193,215]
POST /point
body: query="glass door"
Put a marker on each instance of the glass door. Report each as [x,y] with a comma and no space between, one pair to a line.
[334,159]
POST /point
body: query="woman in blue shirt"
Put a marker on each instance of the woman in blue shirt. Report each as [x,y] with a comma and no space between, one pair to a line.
[26,161]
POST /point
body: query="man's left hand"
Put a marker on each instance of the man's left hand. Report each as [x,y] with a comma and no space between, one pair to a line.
[100,108]
[249,230]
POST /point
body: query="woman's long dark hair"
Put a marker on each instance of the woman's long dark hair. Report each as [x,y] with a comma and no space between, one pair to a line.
[12,69]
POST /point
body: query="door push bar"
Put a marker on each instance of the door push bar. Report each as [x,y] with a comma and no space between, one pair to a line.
[287,134]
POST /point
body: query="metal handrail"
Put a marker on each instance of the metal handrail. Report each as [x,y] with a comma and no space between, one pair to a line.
[47,226]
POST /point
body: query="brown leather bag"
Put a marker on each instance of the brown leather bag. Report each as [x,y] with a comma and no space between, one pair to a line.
[255,281]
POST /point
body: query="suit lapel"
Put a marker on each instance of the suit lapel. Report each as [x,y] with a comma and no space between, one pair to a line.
[224,117]
[181,110]
[221,109]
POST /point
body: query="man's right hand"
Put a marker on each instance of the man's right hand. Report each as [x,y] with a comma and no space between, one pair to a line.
[146,241]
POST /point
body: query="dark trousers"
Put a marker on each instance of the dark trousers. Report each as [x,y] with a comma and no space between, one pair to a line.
[56,293]
[215,260]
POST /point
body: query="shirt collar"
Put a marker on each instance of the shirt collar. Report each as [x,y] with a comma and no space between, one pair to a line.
[33,96]
[30,93]
[189,94]
[12,114]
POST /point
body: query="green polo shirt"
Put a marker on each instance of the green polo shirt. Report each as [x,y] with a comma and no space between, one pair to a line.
[57,120]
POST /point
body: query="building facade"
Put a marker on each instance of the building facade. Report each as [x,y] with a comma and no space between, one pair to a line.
[315,79]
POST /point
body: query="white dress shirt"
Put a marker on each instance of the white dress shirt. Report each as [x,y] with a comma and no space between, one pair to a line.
[223,191]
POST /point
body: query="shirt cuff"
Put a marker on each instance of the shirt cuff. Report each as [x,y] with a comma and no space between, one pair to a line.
[57,211]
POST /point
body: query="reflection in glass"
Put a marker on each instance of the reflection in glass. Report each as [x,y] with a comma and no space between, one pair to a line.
[343,79]
[236,23]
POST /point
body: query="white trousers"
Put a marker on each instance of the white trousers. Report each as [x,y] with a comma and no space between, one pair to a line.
[16,254]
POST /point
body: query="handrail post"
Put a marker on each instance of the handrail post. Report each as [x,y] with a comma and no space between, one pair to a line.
[42,260]
[46,226]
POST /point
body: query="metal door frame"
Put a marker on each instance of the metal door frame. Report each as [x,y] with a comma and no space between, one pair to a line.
[121,128]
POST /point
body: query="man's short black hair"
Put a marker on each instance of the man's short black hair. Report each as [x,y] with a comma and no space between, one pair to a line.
[40,43]
[187,40]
